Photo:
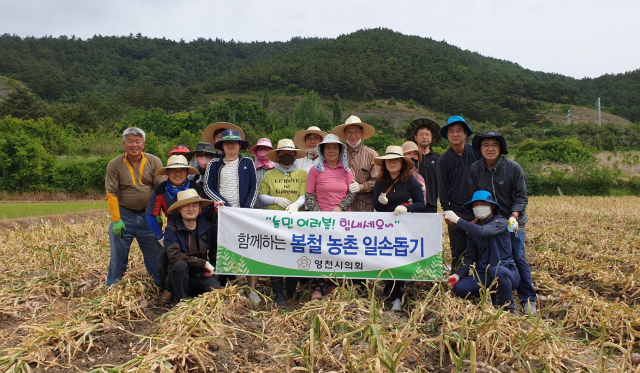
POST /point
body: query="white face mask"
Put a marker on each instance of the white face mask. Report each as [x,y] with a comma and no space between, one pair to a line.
[482,212]
[354,145]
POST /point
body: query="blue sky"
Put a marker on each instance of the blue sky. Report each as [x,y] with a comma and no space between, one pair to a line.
[574,38]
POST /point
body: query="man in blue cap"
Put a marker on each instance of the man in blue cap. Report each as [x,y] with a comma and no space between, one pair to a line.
[504,178]
[489,248]
[453,181]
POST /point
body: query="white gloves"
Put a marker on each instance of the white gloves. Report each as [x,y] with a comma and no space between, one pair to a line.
[423,186]
[161,241]
[400,210]
[293,207]
[354,187]
[513,224]
[383,198]
[451,281]
[282,202]
[451,216]
[208,270]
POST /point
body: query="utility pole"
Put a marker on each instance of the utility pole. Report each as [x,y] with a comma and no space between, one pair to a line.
[569,116]
[599,115]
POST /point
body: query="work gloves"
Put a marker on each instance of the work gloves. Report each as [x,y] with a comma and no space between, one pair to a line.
[383,198]
[399,210]
[513,224]
[208,270]
[282,202]
[452,280]
[119,228]
[354,187]
[451,216]
[293,207]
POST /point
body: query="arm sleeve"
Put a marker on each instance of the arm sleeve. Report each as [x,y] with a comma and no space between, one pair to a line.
[112,206]
[252,197]
[301,200]
[266,199]
[496,226]
[442,190]
[155,227]
[347,201]
[376,194]
[416,196]
[520,198]
[111,186]
[312,202]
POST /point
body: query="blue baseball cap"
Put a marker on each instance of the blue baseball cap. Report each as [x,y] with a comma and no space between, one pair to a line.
[231,135]
[480,195]
[454,120]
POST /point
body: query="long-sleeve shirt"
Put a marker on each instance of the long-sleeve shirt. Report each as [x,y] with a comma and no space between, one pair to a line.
[247,188]
[488,245]
[132,186]
[428,169]
[408,194]
[365,172]
[506,183]
[454,180]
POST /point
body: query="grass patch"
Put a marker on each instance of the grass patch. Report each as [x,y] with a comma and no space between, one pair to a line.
[23,210]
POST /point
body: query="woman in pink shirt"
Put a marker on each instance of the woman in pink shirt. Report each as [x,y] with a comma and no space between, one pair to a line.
[328,189]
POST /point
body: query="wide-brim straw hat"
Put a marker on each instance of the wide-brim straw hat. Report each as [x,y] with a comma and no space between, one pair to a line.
[186,197]
[262,142]
[207,134]
[476,143]
[426,123]
[353,121]
[455,120]
[231,135]
[392,152]
[299,137]
[177,161]
[285,144]
[411,146]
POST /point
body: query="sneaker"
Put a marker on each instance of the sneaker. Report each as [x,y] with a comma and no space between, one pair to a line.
[167,297]
[396,305]
[316,295]
[530,308]
[254,298]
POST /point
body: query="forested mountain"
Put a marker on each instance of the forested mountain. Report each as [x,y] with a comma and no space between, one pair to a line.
[375,63]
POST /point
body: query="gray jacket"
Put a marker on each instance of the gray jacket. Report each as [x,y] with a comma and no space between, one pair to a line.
[505,182]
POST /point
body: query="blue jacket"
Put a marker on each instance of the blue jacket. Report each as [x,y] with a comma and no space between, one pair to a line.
[488,245]
[453,180]
[176,240]
[247,188]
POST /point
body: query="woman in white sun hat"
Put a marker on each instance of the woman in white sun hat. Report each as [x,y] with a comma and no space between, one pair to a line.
[396,191]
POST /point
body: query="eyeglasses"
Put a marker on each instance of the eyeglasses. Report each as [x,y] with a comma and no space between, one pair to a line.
[490,145]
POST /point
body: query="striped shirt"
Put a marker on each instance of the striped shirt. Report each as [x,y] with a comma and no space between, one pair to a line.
[365,173]
[260,172]
[229,183]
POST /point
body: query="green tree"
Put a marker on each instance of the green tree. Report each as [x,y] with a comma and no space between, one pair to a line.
[337,110]
[307,113]
[21,104]
[265,98]
[25,165]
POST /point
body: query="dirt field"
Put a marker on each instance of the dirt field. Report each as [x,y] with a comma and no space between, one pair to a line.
[56,315]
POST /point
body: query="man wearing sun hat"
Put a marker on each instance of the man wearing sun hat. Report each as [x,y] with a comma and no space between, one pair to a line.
[425,133]
[504,178]
[213,133]
[263,163]
[453,180]
[360,157]
[129,180]
[489,249]
[308,140]
[190,273]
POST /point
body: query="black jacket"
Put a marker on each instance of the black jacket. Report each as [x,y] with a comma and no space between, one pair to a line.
[428,169]
[176,240]
[453,180]
[506,183]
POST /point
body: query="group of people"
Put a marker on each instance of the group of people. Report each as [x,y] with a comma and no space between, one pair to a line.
[482,193]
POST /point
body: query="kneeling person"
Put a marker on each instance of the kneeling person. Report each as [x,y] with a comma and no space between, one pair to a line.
[489,247]
[187,243]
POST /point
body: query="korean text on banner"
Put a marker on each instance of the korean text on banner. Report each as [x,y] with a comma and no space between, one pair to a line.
[317,244]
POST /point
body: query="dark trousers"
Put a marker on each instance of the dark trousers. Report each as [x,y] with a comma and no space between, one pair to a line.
[430,208]
[393,288]
[189,282]
[526,292]
[458,243]
[508,279]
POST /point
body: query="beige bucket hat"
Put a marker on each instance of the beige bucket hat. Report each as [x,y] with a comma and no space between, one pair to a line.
[351,121]
[207,134]
[285,144]
[411,146]
[299,137]
[392,152]
[177,161]
[186,197]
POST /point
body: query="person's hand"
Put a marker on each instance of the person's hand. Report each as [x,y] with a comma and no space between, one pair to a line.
[423,186]
[208,270]
[293,207]
[513,224]
[383,198]
[451,216]
[354,187]
[282,202]
[218,204]
[161,241]
[400,210]
[119,228]
[338,209]
[452,280]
